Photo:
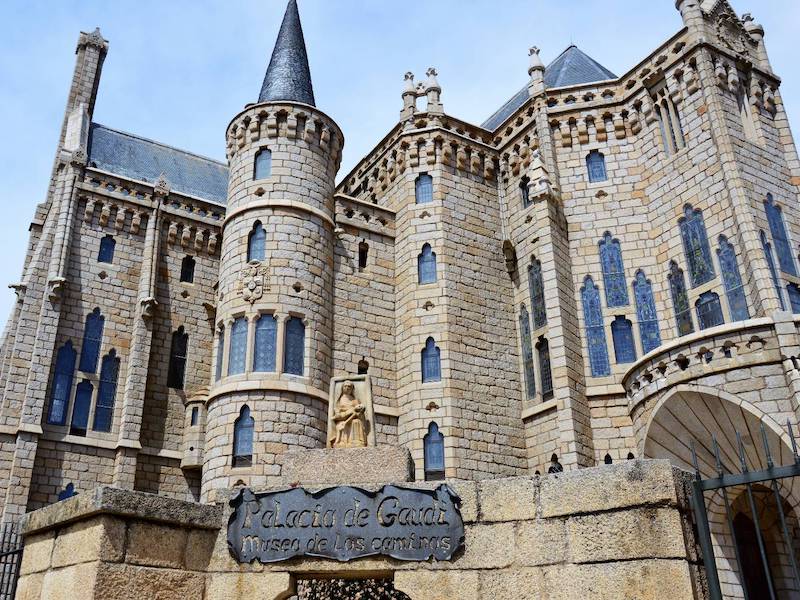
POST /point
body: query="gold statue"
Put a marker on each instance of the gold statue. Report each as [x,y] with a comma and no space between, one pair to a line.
[349,420]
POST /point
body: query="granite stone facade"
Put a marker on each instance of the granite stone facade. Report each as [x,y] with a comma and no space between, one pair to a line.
[606,258]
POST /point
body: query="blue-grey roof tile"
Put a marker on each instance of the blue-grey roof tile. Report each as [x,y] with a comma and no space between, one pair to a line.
[571,67]
[134,157]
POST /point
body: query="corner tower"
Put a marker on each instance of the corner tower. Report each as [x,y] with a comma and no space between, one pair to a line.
[274,323]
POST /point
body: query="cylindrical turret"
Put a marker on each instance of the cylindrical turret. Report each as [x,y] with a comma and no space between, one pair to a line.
[275,300]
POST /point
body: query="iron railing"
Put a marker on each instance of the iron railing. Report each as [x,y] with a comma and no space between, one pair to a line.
[10,559]
[747,478]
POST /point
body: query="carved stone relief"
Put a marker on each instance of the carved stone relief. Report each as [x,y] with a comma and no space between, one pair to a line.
[351,418]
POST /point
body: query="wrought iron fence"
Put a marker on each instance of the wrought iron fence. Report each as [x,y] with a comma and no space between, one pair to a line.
[755,575]
[10,558]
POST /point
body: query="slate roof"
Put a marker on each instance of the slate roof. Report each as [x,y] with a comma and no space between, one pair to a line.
[135,157]
[288,76]
[571,67]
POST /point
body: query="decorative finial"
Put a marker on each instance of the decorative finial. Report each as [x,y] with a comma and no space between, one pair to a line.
[161,186]
[432,83]
[409,79]
[94,38]
[536,61]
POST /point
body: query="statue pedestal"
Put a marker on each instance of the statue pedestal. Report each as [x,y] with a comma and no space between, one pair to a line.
[348,466]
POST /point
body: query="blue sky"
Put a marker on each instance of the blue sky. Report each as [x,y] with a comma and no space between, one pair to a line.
[178,70]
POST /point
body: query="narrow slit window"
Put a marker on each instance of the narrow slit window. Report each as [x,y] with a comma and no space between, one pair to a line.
[680,300]
[107,246]
[431,362]
[525,191]
[295,346]
[426,265]
[177,359]
[220,354]
[257,242]
[545,373]
[433,451]
[527,352]
[536,290]
[622,334]
[106,393]
[732,279]
[263,164]
[767,247]
[424,189]
[596,166]
[363,254]
[62,385]
[92,338]
[238,347]
[187,269]
[595,331]
[265,344]
[83,404]
[243,438]
[646,312]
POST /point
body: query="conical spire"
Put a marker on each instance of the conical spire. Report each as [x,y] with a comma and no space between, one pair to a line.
[288,76]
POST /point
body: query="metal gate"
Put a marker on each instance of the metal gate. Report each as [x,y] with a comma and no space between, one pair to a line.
[10,559]
[754,573]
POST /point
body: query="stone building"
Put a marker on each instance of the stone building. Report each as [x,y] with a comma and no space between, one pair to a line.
[605,269]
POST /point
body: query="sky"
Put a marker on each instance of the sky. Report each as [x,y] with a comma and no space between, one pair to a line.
[177,71]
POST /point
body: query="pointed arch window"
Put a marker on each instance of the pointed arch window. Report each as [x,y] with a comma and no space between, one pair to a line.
[595,332]
[92,338]
[263,164]
[363,255]
[596,166]
[433,451]
[794,297]
[780,237]
[646,312]
[527,352]
[257,242]
[62,384]
[83,404]
[187,269]
[709,310]
[295,346]
[695,246]
[238,347]
[106,252]
[546,375]
[106,393]
[426,265]
[536,290]
[525,191]
[622,334]
[243,438]
[423,189]
[680,299]
[265,344]
[732,279]
[220,353]
[431,362]
[773,272]
[613,271]
[177,359]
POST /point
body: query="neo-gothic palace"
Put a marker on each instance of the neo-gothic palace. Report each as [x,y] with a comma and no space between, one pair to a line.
[603,270]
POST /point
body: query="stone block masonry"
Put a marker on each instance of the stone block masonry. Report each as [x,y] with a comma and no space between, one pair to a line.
[620,531]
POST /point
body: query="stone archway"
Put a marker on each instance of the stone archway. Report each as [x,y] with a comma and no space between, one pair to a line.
[696,415]
[345,589]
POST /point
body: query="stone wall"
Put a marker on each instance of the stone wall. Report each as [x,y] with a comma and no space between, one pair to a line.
[620,531]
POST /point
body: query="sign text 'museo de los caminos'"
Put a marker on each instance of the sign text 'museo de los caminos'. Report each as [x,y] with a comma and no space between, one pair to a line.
[344,523]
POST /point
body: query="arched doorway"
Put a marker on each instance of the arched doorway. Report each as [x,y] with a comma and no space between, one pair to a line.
[698,417]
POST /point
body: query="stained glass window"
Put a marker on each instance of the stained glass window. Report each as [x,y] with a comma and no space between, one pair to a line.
[527,352]
[243,438]
[709,310]
[772,270]
[62,384]
[257,242]
[426,265]
[613,271]
[780,238]
[238,348]
[177,359]
[295,346]
[524,191]
[622,335]
[543,351]
[794,297]
[433,451]
[732,279]
[265,344]
[646,312]
[220,354]
[107,246]
[263,164]
[431,363]
[187,269]
[695,246]
[106,393]
[92,337]
[424,189]
[596,166]
[536,289]
[595,332]
[680,299]
[83,403]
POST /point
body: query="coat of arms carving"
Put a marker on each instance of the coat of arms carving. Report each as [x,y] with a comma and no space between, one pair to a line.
[253,281]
